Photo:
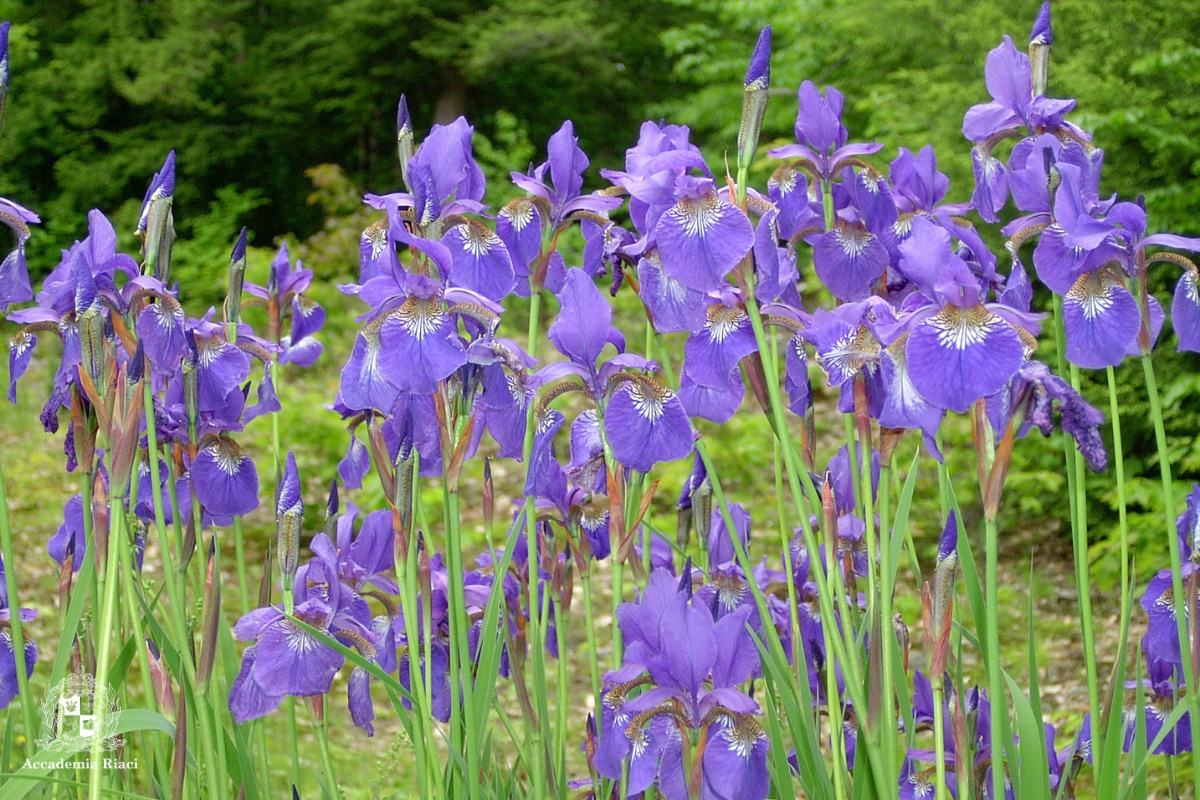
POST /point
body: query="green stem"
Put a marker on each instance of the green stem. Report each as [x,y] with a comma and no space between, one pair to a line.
[1084,584]
[590,627]
[116,518]
[239,551]
[1114,413]
[939,737]
[18,628]
[323,745]
[294,740]
[460,652]
[1168,491]
[995,680]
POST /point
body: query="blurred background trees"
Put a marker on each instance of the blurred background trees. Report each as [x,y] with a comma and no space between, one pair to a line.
[283,111]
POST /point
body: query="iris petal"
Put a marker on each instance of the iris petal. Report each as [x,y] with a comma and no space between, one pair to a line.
[961,354]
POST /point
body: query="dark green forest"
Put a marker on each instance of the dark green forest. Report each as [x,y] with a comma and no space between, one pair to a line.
[283,111]
[252,93]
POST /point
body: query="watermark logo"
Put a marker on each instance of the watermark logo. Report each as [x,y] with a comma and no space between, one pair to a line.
[79,715]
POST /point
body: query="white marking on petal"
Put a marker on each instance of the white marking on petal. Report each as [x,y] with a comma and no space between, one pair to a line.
[419,317]
[376,235]
[1094,293]
[785,179]
[20,343]
[210,349]
[478,239]
[228,456]
[730,591]
[852,239]
[519,214]
[649,401]
[722,321]
[960,328]
[638,739]
[854,351]
[742,732]
[699,214]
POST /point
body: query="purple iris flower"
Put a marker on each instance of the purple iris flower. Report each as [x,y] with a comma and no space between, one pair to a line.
[958,348]
[509,386]
[286,660]
[851,257]
[1161,641]
[286,284]
[1036,392]
[693,665]
[481,261]
[583,327]
[14,276]
[699,234]
[701,237]
[284,279]
[918,186]
[847,343]
[224,477]
[410,348]
[661,155]
[711,386]
[1164,684]
[1014,111]
[70,535]
[920,784]
[821,133]
[9,687]
[1010,82]
[1185,308]
[646,423]
[444,176]
[566,165]
[672,306]
[1076,242]
[478,588]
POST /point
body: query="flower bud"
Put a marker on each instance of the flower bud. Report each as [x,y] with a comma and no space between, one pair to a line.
[943,574]
[212,619]
[1040,39]
[160,680]
[754,101]
[157,225]
[3,69]
[289,523]
[237,276]
[332,506]
[404,137]
[489,494]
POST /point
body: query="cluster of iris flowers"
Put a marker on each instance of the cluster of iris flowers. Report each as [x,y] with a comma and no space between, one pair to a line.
[918,323]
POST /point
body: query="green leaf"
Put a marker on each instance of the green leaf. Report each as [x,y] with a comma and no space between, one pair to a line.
[28,778]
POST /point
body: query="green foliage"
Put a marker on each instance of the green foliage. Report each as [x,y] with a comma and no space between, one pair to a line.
[254,92]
